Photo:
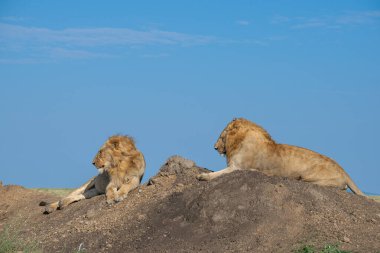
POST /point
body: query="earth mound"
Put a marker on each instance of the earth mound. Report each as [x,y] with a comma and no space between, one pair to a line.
[243,211]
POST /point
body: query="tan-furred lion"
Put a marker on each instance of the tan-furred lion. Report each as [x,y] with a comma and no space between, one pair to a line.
[121,167]
[248,146]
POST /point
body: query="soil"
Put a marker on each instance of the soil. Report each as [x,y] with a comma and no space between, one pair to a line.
[244,211]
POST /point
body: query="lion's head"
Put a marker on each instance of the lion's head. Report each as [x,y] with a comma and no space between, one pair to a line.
[220,143]
[235,132]
[112,152]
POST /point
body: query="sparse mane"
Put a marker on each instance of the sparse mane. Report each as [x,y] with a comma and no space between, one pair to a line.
[244,123]
[121,141]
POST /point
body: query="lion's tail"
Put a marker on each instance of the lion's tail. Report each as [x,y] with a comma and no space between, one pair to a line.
[353,187]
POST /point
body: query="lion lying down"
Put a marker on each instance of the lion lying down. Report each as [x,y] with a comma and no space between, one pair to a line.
[121,167]
[248,146]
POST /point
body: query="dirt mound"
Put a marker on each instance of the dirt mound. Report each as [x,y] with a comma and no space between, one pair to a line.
[243,211]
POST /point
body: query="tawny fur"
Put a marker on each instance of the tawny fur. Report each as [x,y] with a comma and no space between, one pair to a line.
[121,167]
[248,146]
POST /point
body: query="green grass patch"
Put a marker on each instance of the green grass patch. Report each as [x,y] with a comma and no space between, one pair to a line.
[61,192]
[10,242]
[329,248]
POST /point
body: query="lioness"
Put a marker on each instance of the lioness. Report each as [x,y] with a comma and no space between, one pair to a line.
[121,167]
[248,146]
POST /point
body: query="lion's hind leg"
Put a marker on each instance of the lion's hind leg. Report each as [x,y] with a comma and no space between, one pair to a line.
[330,182]
[49,208]
[87,190]
[72,197]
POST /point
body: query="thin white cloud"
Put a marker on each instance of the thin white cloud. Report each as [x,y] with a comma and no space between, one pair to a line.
[312,24]
[278,19]
[76,54]
[21,61]
[83,43]
[243,22]
[98,36]
[365,17]
[44,44]
[159,55]
[13,19]
[259,42]
[277,38]
[330,22]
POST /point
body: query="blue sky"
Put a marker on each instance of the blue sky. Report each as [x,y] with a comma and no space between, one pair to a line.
[174,73]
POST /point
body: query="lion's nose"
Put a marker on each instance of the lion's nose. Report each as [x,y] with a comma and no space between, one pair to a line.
[93,163]
[215,148]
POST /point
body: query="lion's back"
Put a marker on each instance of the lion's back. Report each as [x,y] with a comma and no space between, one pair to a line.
[307,163]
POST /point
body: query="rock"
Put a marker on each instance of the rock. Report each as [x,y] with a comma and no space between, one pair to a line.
[141,217]
[346,239]
[176,165]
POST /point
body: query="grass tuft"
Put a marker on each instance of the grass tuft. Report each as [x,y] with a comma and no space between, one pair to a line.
[329,248]
[306,249]
[10,242]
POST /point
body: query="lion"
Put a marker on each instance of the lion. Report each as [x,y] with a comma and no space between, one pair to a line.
[121,167]
[248,146]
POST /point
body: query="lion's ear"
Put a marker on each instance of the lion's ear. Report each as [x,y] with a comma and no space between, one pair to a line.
[234,119]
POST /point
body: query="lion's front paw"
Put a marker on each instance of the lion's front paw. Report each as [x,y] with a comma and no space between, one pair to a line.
[111,201]
[204,177]
[120,198]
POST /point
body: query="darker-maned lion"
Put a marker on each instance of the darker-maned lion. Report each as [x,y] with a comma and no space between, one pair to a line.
[248,146]
[121,167]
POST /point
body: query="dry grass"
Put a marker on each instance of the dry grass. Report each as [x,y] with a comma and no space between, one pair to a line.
[377,198]
[55,191]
